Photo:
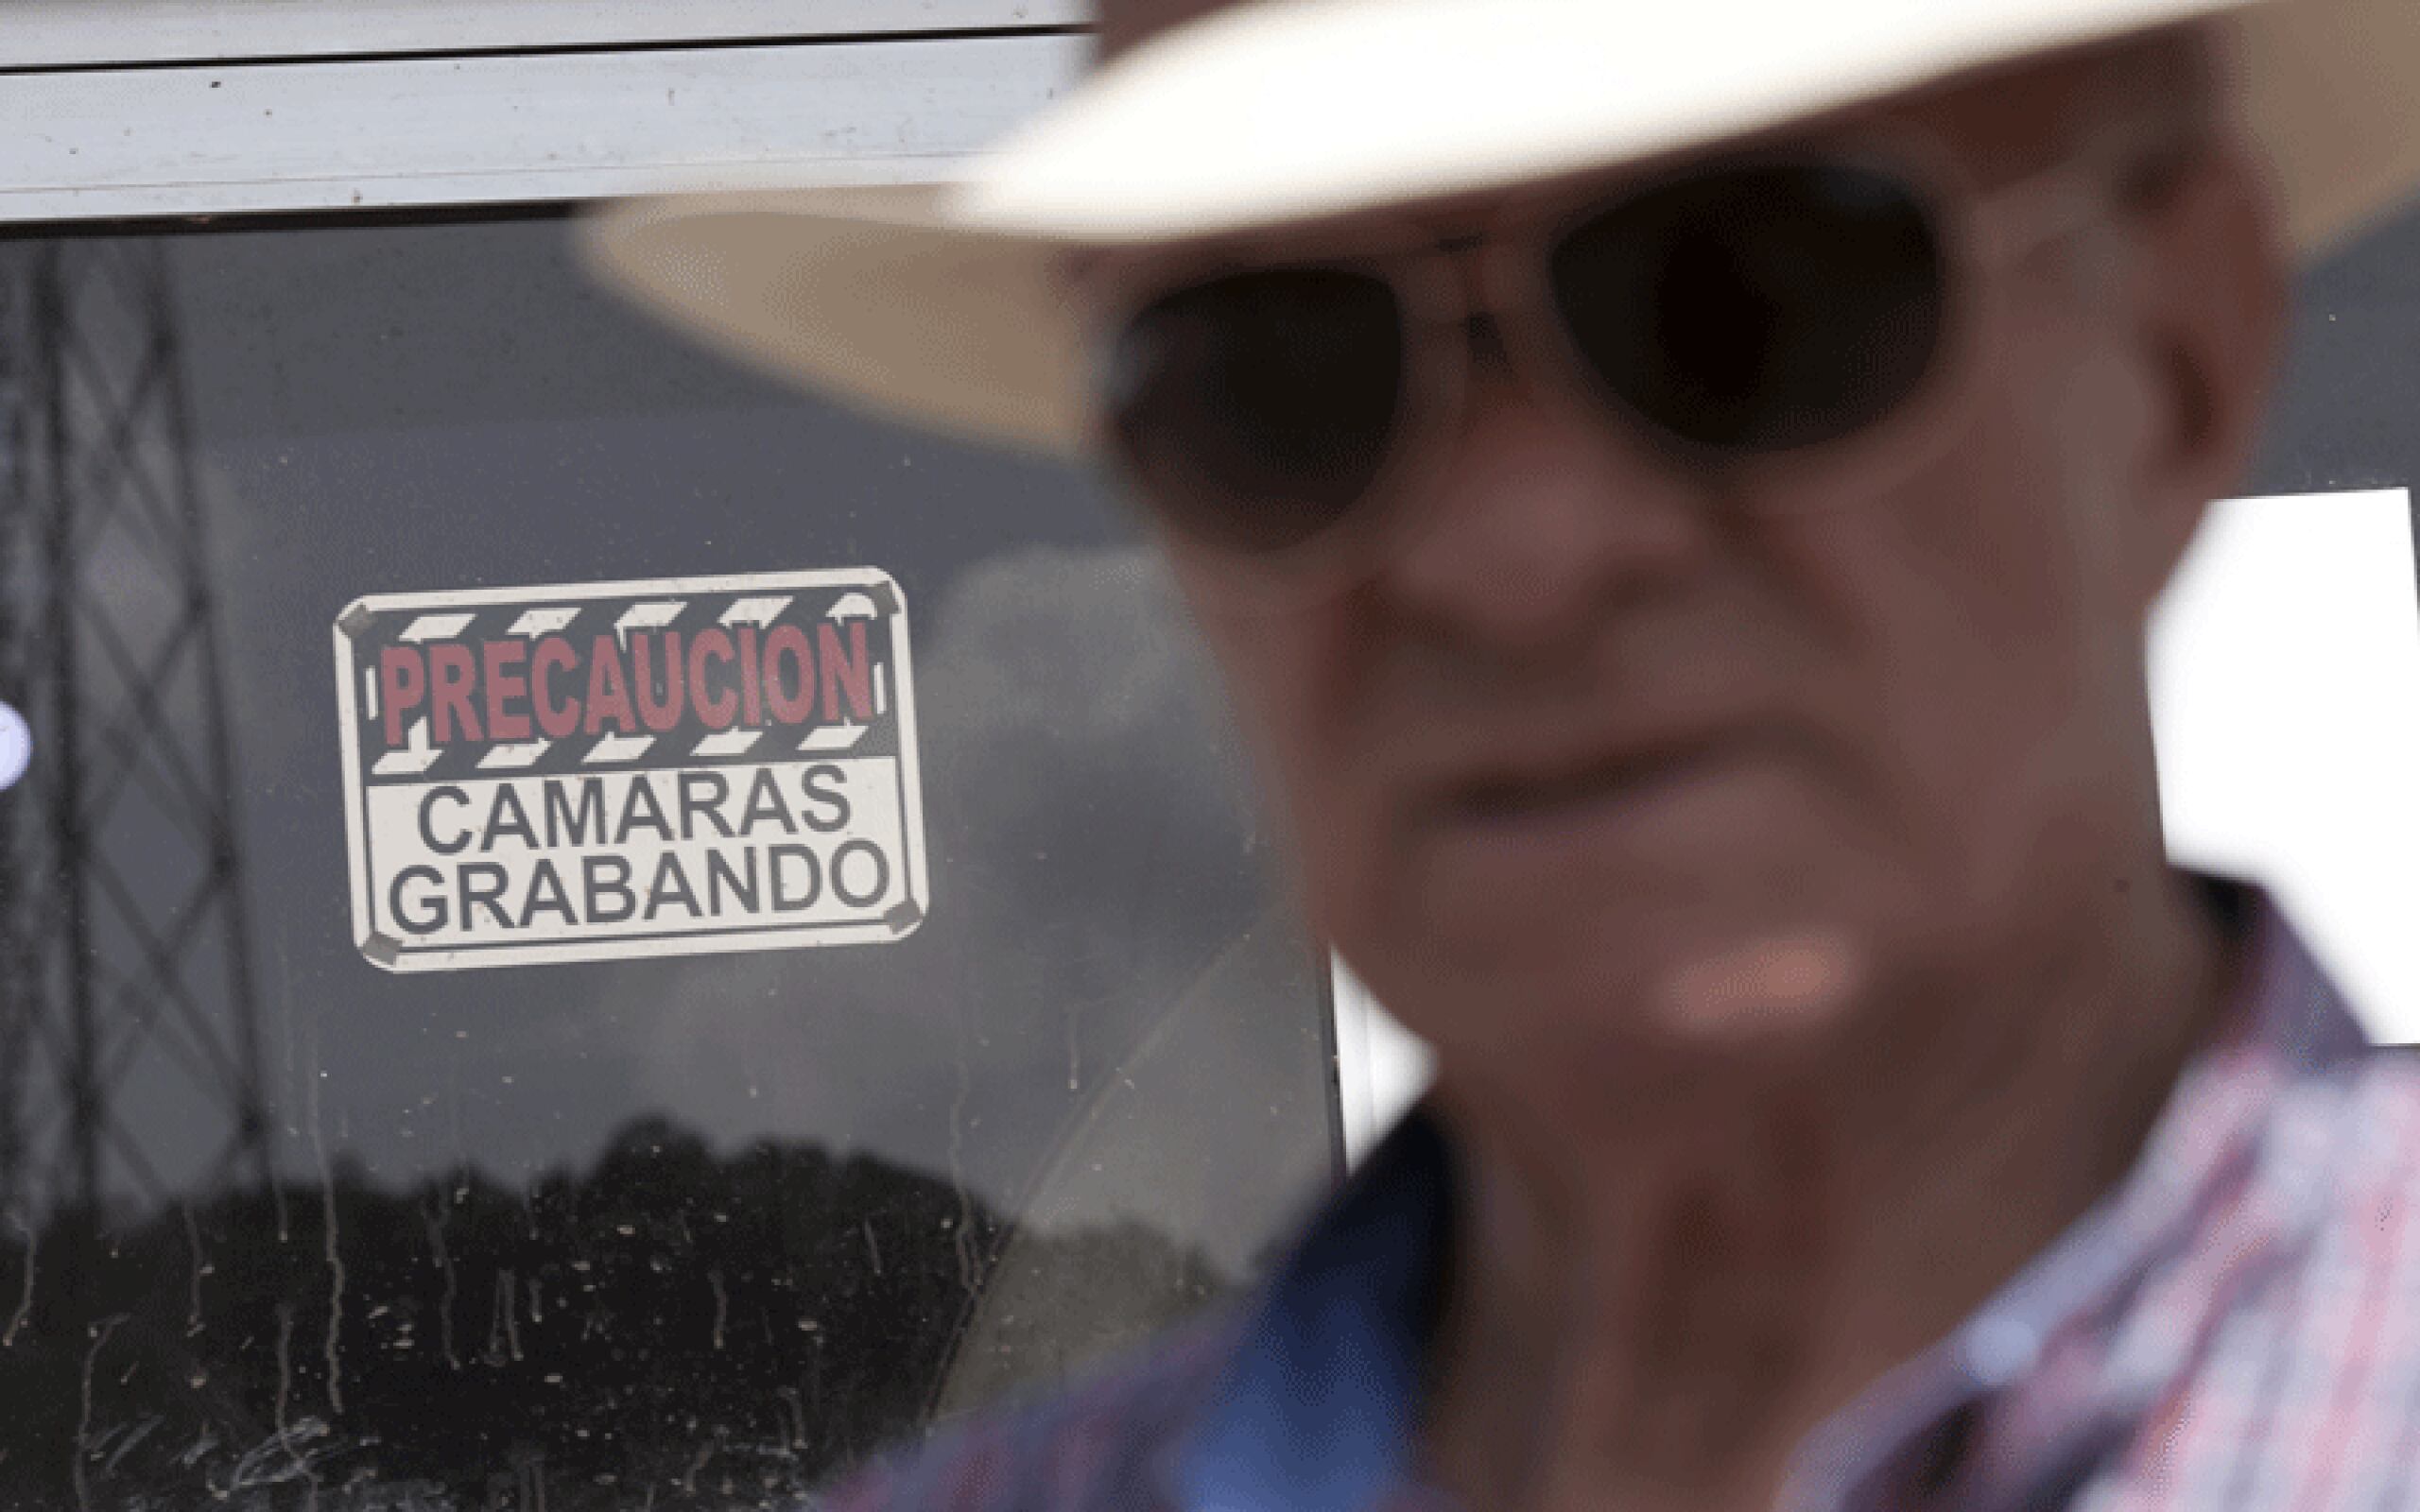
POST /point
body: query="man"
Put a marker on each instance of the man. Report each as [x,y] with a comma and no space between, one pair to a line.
[1676,494]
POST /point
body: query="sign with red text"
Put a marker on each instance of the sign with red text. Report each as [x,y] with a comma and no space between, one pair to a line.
[610,770]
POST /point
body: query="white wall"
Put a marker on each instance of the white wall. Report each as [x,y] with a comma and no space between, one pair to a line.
[2286,700]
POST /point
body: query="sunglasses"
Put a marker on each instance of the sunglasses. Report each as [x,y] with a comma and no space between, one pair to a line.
[1750,309]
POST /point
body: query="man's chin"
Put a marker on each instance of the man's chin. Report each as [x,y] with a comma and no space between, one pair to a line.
[1761,982]
[1774,984]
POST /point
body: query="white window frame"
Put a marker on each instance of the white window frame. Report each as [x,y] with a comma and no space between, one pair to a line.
[116,108]
[114,33]
[1380,1068]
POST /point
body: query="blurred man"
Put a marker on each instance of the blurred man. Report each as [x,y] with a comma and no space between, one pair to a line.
[1676,492]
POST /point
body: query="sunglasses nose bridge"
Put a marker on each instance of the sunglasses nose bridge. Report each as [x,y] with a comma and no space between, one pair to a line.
[1530,518]
[1502,359]
[1503,317]
[1486,346]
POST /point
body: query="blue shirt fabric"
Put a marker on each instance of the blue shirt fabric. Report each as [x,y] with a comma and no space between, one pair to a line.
[1318,1409]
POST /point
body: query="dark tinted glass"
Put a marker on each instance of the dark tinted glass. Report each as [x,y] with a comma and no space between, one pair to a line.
[1759,309]
[1258,407]
[280,1228]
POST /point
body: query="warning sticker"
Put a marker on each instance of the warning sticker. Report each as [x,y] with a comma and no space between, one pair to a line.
[622,769]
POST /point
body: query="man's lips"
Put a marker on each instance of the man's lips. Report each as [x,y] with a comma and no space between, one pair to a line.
[1546,789]
[1501,793]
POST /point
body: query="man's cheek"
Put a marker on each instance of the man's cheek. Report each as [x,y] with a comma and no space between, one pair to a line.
[1341,840]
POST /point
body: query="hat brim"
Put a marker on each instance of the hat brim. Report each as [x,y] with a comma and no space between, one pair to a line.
[948,306]
[880,295]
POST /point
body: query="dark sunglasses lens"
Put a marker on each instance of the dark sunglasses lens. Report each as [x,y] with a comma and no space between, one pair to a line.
[1757,309]
[1255,409]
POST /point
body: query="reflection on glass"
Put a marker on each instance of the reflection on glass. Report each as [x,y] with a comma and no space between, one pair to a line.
[280,1226]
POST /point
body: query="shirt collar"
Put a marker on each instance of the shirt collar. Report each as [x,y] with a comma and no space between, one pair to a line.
[2286,1020]
[1318,1407]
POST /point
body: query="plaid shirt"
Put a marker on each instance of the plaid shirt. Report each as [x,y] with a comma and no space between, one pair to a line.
[2236,1327]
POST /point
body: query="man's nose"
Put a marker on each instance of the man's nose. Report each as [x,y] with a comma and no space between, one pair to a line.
[1538,516]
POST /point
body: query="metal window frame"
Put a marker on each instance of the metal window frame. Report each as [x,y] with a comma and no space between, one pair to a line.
[528,102]
[108,34]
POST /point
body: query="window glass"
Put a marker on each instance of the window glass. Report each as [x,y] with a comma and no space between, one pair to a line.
[2341,419]
[691,1229]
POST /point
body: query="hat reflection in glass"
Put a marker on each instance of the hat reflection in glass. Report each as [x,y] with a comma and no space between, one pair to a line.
[1675,491]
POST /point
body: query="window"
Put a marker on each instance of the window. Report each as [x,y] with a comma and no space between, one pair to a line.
[689,1231]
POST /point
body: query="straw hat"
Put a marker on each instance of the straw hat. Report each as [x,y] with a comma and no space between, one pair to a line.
[947,304]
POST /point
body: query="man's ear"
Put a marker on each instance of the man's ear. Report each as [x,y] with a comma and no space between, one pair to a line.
[2212,290]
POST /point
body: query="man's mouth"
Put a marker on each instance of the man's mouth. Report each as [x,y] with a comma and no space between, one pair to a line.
[1562,790]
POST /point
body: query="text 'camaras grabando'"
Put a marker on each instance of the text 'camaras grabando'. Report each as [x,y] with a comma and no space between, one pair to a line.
[627,683]
[682,871]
